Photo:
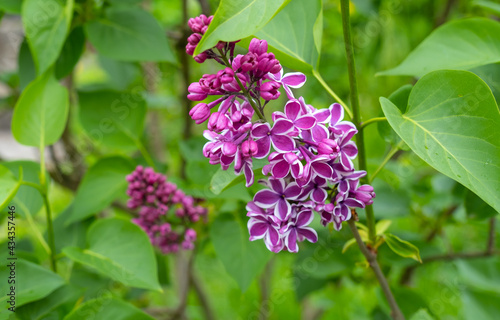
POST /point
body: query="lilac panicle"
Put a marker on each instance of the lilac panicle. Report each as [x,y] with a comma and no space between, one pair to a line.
[310,151]
[154,198]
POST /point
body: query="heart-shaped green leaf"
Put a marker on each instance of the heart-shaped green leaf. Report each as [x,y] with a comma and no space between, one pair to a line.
[120,250]
[243,259]
[461,44]
[8,186]
[32,281]
[46,25]
[452,122]
[41,112]
[294,34]
[103,183]
[238,19]
[129,34]
[114,119]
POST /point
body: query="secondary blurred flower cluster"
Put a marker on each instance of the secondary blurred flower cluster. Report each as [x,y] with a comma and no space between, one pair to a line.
[309,150]
[165,212]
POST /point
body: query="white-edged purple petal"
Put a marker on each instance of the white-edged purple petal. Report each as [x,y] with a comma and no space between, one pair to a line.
[282,209]
[291,241]
[266,198]
[305,122]
[294,79]
[260,130]
[263,147]
[292,109]
[337,113]
[282,126]
[283,143]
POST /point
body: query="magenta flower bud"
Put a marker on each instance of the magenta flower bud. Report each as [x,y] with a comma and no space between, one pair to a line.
[248,62]
[210,83]
[249,148]
[217,122]
[196,92]
[226,75]
[229,149]
[328,147]
[269,90]
[190,235]
[233,86]
[220,45]
[190,49]
[200,113]
[258,46]
[194,39]
[201,57]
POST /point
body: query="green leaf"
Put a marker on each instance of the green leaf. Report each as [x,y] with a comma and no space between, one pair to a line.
[124,2]
[11,6]
[477,208]
[120,250]
[452,122]
[349,243]
[46,25]
[32,282]
[295,33]
[27,70]
[63,299]
[41,112]
[481,273]
[8,187]
[225,179]
[421,314]
[112,118]
[238,19]
[479,304]
[103,183]
[242,259]
[489,6]
[382,226]
[71,53]
[400,99]
[105,308]
[478,39]
[129,34]
[402,248]
[121,74]
[28,200]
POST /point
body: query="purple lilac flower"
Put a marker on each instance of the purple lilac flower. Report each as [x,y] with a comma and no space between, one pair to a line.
[155,198]
[310,151]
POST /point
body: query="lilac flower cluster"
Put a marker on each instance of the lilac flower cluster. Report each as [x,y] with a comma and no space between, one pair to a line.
[155,197]
[309,150]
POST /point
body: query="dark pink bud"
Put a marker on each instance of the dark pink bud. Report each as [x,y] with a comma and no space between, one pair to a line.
[258,46]
[196,92]
[248,62]
[190,49]
[194,38]
[328,147]
[269,90]
[201,57]
[217,122]
[200,113]
[190,235]
[249,148]
[226,75]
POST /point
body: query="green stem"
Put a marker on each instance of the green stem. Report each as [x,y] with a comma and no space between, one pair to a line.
[388,157]
[245,91]
[370,216]
[356,118]
[42,166]
[372,120]
[320,79]
[50,233]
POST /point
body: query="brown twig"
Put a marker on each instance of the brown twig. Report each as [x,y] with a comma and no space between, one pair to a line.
[372,261]
[183,270]
[151,77]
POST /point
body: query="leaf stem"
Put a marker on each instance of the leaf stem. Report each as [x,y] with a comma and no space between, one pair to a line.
[320,79]
[388,157]
[245,91]
[372,261]
[370,121]
[50,233]
[370,216]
